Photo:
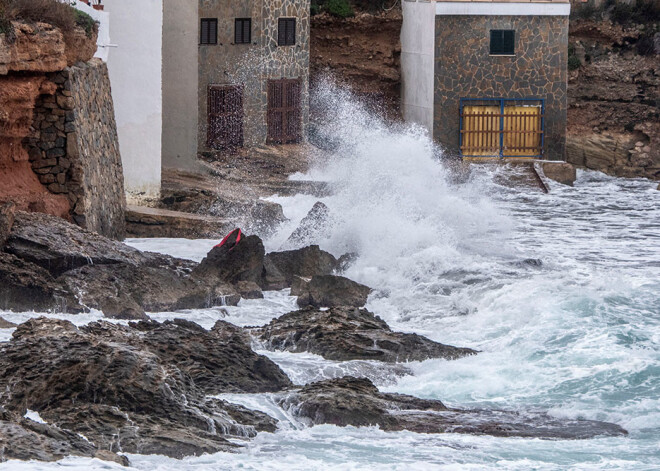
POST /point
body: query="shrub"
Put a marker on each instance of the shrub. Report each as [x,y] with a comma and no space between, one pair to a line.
[340,8]
[574,62]
[86,22]
[642,12]
[54,12]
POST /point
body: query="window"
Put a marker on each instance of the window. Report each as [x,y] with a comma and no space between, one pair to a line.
[502,42]
[209,31]
[286,32]
[243,31]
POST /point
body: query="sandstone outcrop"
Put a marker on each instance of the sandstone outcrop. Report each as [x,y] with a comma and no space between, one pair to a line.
[345,333]
[357,402]
[130,388]
[331,291]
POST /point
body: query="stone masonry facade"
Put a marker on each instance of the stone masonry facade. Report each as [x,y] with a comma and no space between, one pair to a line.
[465,69]
[253,65]
[74,150]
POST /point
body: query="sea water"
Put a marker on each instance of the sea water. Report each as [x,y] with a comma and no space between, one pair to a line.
[559,292]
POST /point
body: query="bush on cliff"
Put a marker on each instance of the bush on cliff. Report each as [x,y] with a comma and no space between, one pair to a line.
[54,12]
[340,8]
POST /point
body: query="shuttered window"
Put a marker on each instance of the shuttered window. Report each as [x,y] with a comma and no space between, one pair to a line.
[243,31]
[502,42]
[286,32]
[208,33]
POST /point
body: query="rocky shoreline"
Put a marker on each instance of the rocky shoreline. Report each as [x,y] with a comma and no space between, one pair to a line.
[145,387]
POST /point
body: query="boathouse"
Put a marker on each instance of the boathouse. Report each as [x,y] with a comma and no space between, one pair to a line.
[196,76]
[487,79]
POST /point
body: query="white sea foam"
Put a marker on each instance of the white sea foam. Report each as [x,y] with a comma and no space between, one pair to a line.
[577,335]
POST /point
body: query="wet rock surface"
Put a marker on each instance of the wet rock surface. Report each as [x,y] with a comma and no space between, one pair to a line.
[345,333]
[129,389]
[280,268]
[51,264]
[5,324]
[357,402]
[311,227]
[331,291]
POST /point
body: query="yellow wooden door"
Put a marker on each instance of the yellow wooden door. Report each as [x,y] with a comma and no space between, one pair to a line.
[481,131]
[522,131]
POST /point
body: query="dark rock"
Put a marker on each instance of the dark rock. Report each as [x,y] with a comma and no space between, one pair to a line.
[333,291]
[59,246]
[106,383]
[218,361]
[249,290]
[561,172]
[234,262]
[357,402]
[25,286]
[298,286]
[53,264]
[312,227]
[350,334]
[6,221]
[24,439]
[5,324]
[345,261]
[281,267]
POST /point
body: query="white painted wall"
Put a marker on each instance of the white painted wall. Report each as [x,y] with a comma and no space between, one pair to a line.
[417,62]
[135,66]
[103,18]
[503,8]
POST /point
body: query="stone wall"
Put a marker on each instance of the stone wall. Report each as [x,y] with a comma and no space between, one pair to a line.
[252,65]
[73,147]
[465,69]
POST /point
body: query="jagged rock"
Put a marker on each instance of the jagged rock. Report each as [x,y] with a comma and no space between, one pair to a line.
[234,261]
[561,172]
[218,361]
[52,264]
[345,261]
[344,333]
[24,439]
[59,246]
[332,291]
[107,384]
[25,286]
[311,227]
[5,324]
[6,221]
[281,267]
[357,402]
[249,290]
[298,285]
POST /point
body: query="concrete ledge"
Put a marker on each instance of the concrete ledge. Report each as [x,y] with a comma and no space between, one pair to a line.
[155,222]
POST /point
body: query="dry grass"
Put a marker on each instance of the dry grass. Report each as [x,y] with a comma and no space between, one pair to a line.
[54,12]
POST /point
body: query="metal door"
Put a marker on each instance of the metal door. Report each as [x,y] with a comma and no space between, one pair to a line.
[225,116]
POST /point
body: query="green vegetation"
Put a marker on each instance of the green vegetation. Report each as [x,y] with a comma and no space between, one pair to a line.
[340,8]
[639,12]
[54,12]
[574,62]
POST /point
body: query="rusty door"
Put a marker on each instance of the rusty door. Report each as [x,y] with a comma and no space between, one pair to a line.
[225,116]
[284,111]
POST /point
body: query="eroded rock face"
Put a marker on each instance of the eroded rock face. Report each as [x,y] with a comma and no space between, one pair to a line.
[345,333]
[6,220]
[106,383]
[331,291]
[357,402]
[50,263]
[280,268]
[312,226]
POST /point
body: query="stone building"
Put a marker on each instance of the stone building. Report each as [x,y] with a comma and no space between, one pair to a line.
[192,76]
[487,79]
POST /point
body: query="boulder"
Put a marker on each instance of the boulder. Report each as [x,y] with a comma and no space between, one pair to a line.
[357,402]
[24,439]
[281,267]
[234,261]
[312,227]
[122,392]
[561,172]
[332,291]
[218,361]
[5,324]
[52,264]
[345,333]
[6,221]
[249,290]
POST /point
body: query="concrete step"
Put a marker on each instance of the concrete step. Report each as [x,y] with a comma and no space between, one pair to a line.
[142,221]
